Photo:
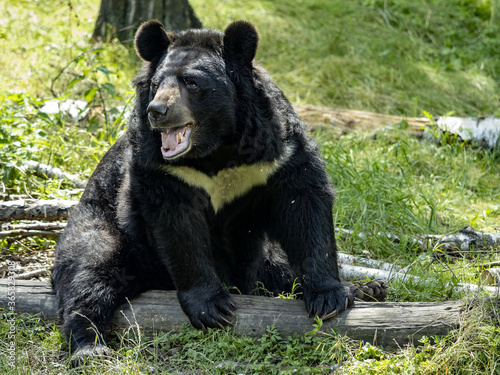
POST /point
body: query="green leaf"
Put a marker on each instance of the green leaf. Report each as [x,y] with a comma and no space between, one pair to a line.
[74,81]
[89,94]
[105,70]
[110,88]
[45,117]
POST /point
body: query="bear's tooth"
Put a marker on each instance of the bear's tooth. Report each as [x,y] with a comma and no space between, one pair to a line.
[179,137]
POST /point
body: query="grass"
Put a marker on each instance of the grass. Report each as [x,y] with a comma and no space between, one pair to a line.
[395,56]
[390,56]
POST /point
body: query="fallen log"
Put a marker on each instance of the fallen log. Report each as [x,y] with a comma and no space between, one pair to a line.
[491,276]
[36,209]
[389,324]
[485,131]
[344,121]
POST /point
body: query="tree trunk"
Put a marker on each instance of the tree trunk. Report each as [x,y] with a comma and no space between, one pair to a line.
[121,18]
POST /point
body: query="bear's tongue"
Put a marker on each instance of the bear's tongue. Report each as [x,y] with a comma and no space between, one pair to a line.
[175,141]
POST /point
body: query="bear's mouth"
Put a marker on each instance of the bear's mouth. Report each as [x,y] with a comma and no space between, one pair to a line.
[176,141]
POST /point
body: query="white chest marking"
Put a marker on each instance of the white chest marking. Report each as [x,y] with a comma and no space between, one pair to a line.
[230,183]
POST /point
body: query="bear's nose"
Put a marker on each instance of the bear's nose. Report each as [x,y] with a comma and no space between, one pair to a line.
[157,110]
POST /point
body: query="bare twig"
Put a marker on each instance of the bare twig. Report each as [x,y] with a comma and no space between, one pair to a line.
[22,172]
[61,72]
[30,233]
[31,274]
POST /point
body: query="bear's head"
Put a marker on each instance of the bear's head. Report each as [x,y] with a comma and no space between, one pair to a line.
[192,98]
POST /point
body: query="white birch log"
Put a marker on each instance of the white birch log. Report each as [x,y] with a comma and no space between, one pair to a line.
[484,131]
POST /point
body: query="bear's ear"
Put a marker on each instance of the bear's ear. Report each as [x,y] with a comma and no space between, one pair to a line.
[151,40]
[240,42]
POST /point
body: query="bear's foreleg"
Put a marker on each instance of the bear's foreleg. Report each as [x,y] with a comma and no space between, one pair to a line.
[182,241]
[303,225]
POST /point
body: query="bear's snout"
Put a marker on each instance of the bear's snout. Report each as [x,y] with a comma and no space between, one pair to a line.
[157,110]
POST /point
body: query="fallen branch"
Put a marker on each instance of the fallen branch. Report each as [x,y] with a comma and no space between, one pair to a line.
[21,233]
[50,230]
[384,323]
[44,170]
[466,239]
[354,260]
[348,272]
[36,209]
[484,131]
[31,274]
[489,264]
[33,226]
[13,197]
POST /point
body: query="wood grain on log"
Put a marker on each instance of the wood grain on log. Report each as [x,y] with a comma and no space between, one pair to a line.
[385,323]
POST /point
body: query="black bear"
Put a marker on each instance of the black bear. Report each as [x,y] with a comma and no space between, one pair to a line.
[214,184]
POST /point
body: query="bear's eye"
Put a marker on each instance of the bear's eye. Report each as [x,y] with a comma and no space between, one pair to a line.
[154,86]
[190,84]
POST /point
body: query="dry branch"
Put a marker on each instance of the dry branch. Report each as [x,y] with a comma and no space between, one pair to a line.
[354,260]
[348,272]
[384,323]
[33,226]
[44,170]
[51,230]
[484,131]
[30,233]
[466,239]
[36,209]
[31,274]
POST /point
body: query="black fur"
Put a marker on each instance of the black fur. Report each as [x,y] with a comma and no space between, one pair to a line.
[139,226]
